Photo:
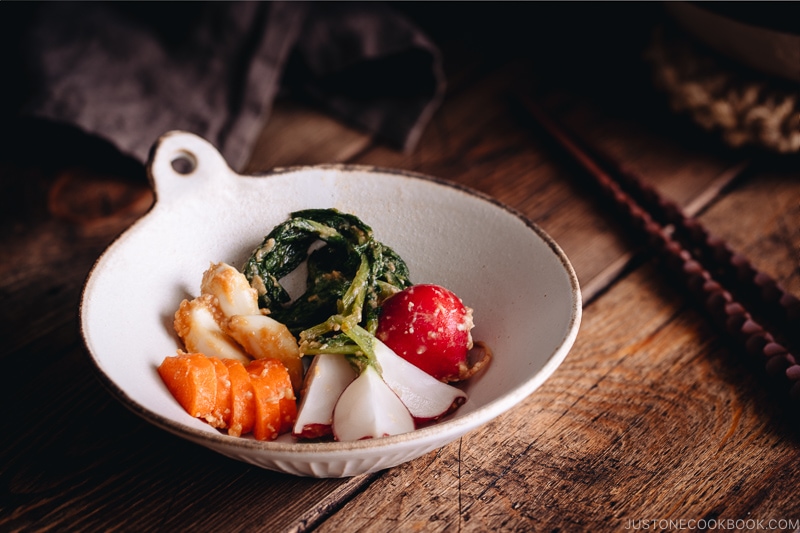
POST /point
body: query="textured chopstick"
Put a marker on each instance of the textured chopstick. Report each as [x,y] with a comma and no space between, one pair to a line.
[758,290]
[730,315]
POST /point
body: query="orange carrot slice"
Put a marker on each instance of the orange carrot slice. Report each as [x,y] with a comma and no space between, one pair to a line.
[191,380]
[242,401]
[272,389]
[288,414]
[221,414]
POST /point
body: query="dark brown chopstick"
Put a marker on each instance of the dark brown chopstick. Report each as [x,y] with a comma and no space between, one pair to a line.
[762,294]
[652,215]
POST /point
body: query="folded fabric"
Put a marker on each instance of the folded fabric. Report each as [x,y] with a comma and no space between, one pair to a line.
[131,71]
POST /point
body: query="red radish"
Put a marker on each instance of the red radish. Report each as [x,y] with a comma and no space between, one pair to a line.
[429,326]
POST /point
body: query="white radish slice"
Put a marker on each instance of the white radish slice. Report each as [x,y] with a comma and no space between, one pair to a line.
[424,396]
[327,377]
[368,409]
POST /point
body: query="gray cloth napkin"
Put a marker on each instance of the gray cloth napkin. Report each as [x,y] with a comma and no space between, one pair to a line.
[129,72]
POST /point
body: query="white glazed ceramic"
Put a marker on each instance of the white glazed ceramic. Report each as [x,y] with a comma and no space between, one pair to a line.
[519,282]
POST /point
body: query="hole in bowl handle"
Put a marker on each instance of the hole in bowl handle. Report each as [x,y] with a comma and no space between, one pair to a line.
[181,162]
[184,163]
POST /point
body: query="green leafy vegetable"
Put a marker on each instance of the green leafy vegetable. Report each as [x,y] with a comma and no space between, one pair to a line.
[348,279]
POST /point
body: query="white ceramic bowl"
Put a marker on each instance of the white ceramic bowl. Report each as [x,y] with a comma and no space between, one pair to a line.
[522,288]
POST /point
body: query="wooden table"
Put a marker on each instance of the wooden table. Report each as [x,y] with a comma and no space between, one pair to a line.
[653,420]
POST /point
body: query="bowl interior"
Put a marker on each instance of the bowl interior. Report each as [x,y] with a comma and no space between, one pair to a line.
[523,291]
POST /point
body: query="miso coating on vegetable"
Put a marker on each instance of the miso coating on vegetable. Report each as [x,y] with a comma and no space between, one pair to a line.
[348,277]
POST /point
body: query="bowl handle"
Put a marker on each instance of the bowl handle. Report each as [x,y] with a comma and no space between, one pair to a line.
[182,162]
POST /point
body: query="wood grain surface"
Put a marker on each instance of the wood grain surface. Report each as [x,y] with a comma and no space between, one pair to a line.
[652,419]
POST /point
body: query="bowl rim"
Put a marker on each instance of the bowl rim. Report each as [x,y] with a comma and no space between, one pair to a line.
[453,424]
